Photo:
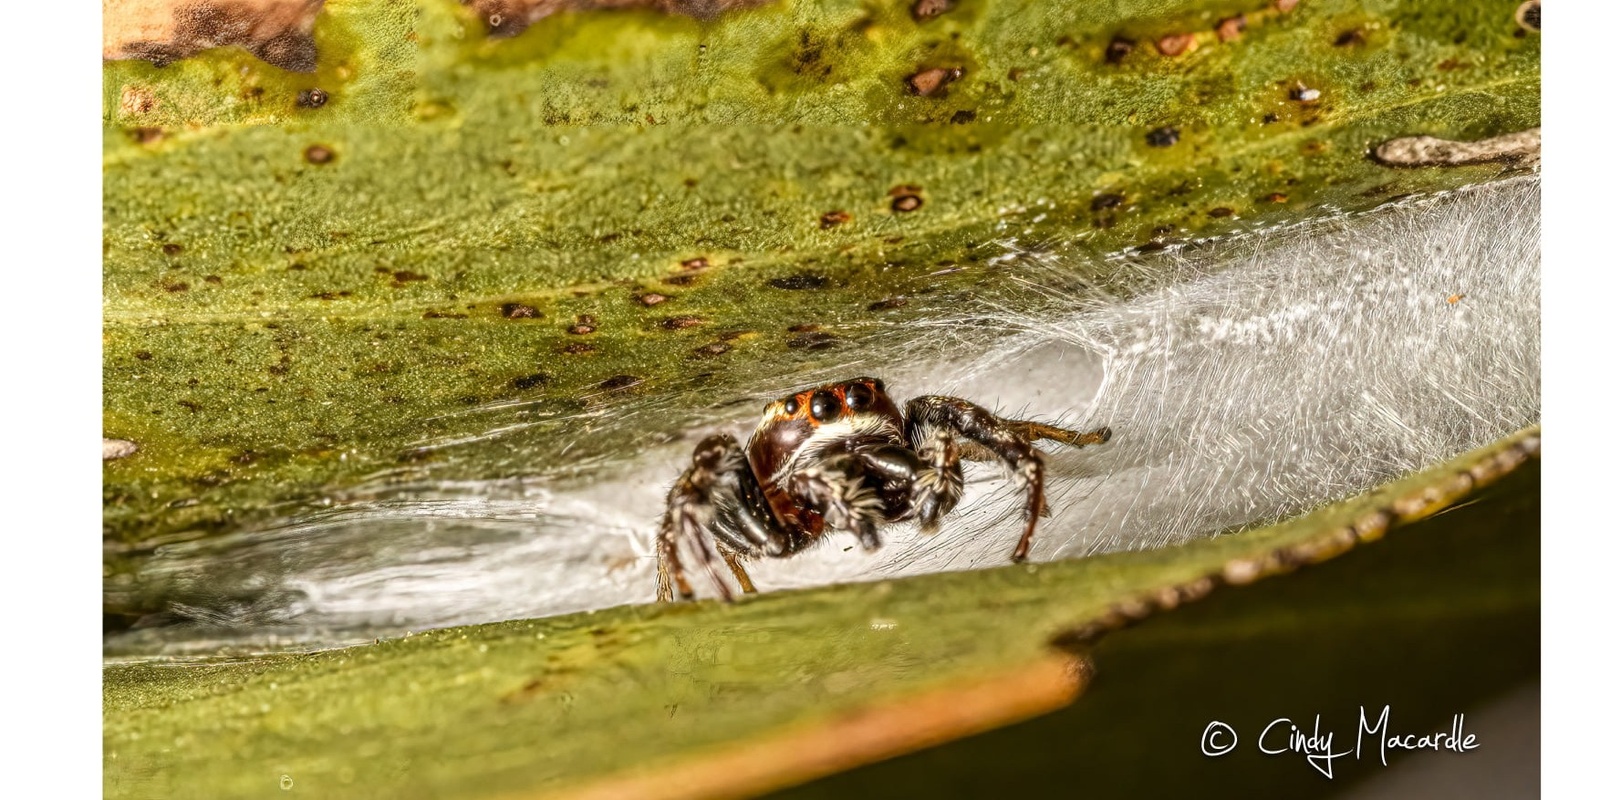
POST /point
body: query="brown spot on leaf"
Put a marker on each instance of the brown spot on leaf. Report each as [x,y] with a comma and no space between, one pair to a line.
[319,154]
[1220,211]
[813,340]
[617,383]
[963,117]
[1175,44]
[311,98]
[906,203]
[885,305]
[833,219]
[1527,15]
[172,248]
[696,263]
[681,323]
[143,355]
[1230,29]
[649,299]
[406,276]
[932,82]
[712,350]
[177,286]
[799,282]
[214,279]
[1349,38]
[520,311]
[928,9]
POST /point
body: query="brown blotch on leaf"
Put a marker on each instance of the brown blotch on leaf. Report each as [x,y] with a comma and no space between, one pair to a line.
[800,282]
[681,323]
[923,10]
[520,311]
[805,327]
[885,305]
[963,117]
[319,154]
[524,383]
[581,329]
[171,248]
[1117,49]
[311,98]
[712,350]
[1230,29]
[1275,197]
[680,280]
[696,263]
[148,135]
[406,276]
[931,82]
[143,355]
[214,279]
[1220,211]
[177,286]
[649,299]
[617,383]
[1175,44]
[834,219]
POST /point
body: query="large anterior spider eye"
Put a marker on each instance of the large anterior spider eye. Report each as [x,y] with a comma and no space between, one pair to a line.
[792,406]
[824,407]
[858,397]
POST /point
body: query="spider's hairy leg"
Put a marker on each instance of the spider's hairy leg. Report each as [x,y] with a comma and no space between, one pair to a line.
[839,487]
[1034,431]
[940,483]
[930,414]
[716,505]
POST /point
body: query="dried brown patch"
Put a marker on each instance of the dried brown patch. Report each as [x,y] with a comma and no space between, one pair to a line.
[163,31]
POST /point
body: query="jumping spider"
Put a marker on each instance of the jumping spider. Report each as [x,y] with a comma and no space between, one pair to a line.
[844,457]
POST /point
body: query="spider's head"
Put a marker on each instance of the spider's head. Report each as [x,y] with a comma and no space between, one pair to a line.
[810,420]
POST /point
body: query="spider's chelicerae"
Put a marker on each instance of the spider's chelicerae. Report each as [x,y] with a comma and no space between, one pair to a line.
[842,457]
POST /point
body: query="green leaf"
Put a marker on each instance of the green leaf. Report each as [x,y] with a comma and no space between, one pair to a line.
[713,700]
[308,303]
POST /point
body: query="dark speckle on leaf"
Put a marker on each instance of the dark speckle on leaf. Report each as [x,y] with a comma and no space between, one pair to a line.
[143,355]
[1102,202]
[800,282]
[1221,211]
[172,248]
[1118,49]
[1162,137]
[311,98]
[526,382]
[885,305]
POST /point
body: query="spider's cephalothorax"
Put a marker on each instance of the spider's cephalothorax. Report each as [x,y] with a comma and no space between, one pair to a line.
[839,457]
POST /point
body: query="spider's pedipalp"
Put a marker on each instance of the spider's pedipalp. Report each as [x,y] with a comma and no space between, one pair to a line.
[940,483]
[838,488]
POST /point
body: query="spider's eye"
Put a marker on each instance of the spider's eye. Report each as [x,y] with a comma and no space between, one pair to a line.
[792,406]
[824,406]
[858,397]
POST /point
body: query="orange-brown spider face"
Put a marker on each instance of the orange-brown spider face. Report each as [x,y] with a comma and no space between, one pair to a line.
[855,410]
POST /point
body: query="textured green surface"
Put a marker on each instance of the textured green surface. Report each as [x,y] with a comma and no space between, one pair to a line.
[531,705]
[278,330]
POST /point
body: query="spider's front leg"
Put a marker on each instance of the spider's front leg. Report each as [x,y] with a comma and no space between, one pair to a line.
[716,507]
[933,422]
